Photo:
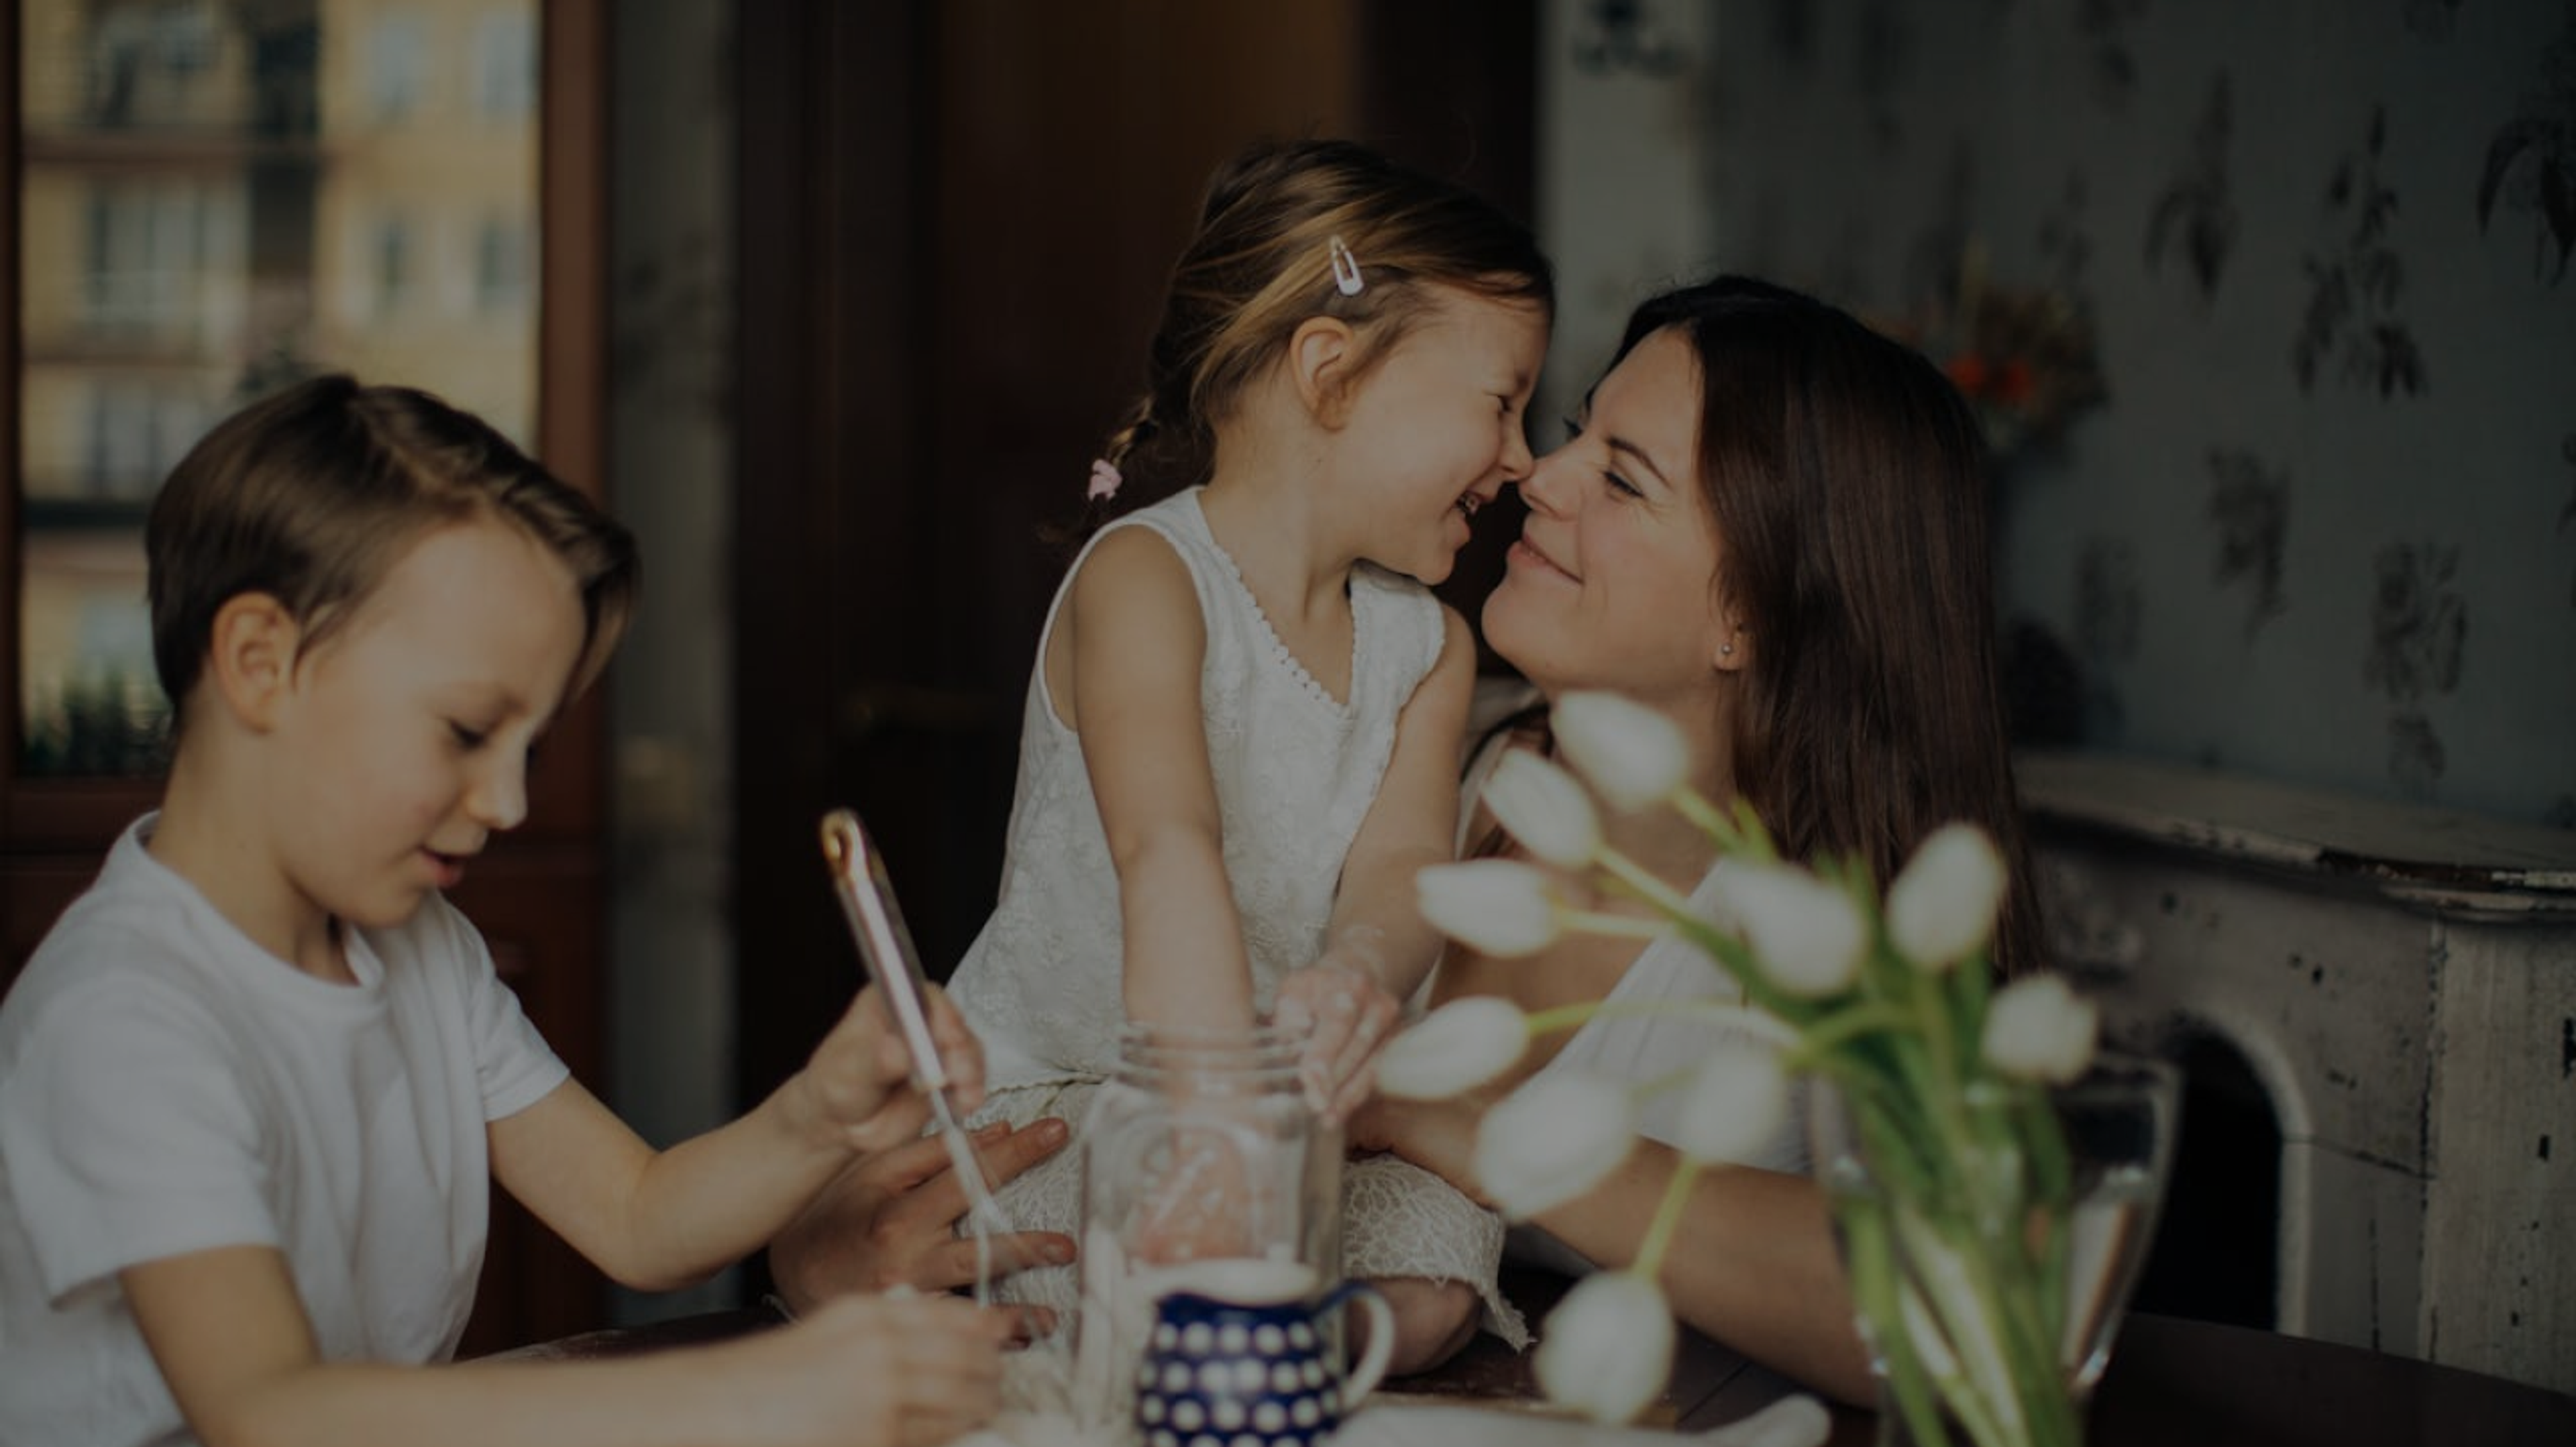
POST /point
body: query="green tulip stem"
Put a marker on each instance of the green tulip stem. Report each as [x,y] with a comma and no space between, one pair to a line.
[1603,922]
[1667,1217]
[1738,831]
[1711,1012]
[1643,883]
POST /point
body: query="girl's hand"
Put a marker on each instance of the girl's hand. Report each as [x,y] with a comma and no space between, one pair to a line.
[883,1371]
[858,1081]
[1352,1017]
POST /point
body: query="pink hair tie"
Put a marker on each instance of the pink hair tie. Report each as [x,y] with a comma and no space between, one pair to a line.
[1104,481]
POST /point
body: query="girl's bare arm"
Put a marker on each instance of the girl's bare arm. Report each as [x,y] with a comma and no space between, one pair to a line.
[1137,642]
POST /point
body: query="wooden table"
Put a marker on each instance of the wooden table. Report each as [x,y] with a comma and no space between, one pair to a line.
[2172,1383]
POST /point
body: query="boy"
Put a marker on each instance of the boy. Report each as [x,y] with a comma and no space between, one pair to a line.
[252,1084]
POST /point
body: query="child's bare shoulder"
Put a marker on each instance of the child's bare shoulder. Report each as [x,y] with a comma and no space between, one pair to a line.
[1132,567]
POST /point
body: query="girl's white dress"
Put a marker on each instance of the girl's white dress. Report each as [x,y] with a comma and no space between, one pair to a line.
[1296,772]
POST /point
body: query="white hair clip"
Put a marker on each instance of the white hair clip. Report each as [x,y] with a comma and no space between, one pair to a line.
[1346,268]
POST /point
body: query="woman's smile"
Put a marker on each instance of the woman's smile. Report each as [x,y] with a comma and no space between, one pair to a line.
[1525,554]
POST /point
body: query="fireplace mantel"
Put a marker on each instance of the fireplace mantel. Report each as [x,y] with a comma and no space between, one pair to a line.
[2402,982]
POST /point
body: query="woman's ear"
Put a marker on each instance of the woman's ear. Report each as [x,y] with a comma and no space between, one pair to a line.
[250,657]
[1323,357]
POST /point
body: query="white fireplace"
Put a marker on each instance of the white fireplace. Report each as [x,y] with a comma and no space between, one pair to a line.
[2399,986]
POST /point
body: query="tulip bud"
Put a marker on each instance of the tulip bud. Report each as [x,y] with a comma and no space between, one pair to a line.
[1545,808]
[2037,1029]
[1552,1140]
[1632,754]
[1502,907]
[1806,933]
[1733,1105]
[1607,1349]
[1453,1049]
[1945,900]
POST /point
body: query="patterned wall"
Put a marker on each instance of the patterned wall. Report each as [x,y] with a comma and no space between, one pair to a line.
[2322,528]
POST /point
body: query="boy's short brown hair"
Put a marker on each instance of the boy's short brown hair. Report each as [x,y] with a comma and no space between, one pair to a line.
[314,494]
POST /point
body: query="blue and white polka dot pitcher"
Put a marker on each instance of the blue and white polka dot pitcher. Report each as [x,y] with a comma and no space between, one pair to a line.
[1240,1357]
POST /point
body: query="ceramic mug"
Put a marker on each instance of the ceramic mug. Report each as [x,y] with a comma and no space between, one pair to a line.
[1241,1352]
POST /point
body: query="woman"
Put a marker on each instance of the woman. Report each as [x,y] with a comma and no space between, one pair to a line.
[1771,528]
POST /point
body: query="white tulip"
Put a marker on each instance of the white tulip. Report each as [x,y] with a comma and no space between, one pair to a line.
[1945,900]
[2038,1029]
[1607,1349]
[1545,808]
[1455,1048]
[1733,1105]
[1632,754]
[1807,933]
[1552,1140]
[1500,906]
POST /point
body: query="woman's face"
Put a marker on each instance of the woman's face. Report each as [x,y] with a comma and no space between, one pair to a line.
[1613,583]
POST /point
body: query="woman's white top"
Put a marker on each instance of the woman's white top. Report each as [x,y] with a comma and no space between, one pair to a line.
[1638,1049]
[1295,773]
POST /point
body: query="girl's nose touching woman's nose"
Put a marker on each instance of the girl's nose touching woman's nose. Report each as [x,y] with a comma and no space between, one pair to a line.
[1537,485]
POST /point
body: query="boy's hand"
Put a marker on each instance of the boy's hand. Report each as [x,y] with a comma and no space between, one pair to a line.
[1352,1017]
[882,1371]
[858,1080]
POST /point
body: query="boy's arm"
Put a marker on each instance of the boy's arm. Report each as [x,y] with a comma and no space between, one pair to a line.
[231,1338]
[1377,931]
[660,1219]
[1138,642]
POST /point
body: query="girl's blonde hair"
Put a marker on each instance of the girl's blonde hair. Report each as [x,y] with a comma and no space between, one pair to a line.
[314,494]
[1262,262]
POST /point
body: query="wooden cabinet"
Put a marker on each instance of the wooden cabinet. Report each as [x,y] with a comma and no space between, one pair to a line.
[205,202]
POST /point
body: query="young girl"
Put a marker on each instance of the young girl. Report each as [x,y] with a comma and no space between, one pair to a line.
[252,1084]
[1242,730]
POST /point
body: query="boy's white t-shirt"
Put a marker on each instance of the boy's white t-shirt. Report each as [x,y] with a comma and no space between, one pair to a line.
[167,1086]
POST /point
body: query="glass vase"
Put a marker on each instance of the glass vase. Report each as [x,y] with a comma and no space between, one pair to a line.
[1992,1242]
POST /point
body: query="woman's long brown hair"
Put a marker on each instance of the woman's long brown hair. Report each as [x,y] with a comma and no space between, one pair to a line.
[1848,482]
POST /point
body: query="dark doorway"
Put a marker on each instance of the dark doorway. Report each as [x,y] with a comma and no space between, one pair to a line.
[955,221]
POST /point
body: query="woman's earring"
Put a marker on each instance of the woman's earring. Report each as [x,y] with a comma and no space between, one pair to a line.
[1726,650]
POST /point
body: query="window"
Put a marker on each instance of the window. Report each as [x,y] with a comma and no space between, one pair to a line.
[502,275]
[505,66]
[216,199]
[397,66]
[392,264]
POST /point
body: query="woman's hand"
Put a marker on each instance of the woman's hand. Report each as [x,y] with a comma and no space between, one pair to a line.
[1351,1016]
[856,1083]
[884,1371]
[891,1221]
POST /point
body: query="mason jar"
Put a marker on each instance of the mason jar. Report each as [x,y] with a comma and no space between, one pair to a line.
[1200,1147]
